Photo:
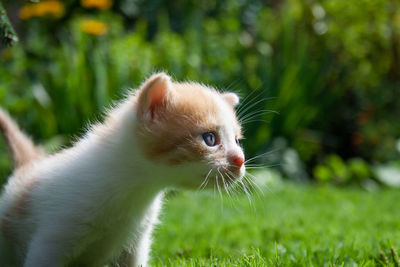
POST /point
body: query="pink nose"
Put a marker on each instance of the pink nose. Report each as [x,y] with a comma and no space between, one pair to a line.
[237,160]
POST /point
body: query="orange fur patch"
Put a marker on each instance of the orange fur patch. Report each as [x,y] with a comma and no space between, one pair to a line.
[171,136]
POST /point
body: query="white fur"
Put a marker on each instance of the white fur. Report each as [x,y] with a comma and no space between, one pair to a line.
[99,200]
[93,201]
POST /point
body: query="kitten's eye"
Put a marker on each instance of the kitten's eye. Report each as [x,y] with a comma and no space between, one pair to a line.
[209,139]
[237,141]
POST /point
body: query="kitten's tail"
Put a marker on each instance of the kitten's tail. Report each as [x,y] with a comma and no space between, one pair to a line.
[21,146]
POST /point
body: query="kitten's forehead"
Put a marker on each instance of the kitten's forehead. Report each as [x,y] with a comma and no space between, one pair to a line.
[206,105]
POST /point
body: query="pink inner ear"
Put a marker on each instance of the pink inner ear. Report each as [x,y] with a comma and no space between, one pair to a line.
[156,96]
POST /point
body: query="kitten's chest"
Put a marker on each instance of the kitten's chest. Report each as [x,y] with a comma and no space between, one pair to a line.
[114,229]
[103,242]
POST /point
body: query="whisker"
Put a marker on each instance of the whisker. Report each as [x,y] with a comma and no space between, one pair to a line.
[219,189]
[252,101]
[262,155]
[223,181]
[205,182]
[256,115]
[266,186]
[243,186]
[253,183]
[241,112]
[253,164]
[245,190]
[214,187]
[234,183]
[244,107]
[263,167]
[265,111]
[248,99]
[233,86]
[255,120]
[235,190]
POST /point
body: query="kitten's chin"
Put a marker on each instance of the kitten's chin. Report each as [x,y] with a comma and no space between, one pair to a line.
[237,173]
[242,172]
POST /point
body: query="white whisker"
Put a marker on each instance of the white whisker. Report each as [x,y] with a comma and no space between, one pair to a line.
[262,155]
[266,186]
[233,182]
[245,190]
[249,107]
[223,181]
[256,113]
[253,183]
[255,120]
[205,182]
[263,167]
[219,189]
[246,101]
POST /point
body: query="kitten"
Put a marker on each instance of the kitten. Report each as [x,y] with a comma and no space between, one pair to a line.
[96,202]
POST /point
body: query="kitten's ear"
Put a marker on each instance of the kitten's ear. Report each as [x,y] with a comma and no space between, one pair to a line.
[155,93]
[231,98]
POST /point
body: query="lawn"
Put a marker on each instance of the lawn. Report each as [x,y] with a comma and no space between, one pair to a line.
[289,224]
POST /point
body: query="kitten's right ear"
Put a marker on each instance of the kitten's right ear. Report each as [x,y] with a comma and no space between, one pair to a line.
[154,95]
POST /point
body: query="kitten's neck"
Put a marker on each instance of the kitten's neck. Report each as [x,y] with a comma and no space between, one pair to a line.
[116,147]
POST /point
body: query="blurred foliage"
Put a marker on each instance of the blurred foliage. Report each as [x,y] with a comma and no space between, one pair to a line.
[7,33]
[341,172]
[330,68]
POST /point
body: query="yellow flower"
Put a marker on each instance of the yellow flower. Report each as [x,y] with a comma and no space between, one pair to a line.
[94,27]
[25,12]
[100,4]
[52,8]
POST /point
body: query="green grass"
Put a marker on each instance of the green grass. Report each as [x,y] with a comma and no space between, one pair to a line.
[289,225]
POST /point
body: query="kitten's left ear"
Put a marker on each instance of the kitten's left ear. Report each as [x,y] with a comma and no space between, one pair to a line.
[231,98]
[155,94]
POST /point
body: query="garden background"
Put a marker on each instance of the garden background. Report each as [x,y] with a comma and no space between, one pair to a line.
[319,81]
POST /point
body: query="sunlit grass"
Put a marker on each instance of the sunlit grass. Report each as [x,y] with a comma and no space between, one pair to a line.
[292,225]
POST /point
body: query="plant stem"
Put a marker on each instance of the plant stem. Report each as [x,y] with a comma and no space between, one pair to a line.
[7,33]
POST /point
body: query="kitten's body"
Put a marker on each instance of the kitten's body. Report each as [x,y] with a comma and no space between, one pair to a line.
[97,202]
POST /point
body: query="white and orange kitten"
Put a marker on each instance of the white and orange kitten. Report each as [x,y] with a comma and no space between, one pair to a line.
[97,202]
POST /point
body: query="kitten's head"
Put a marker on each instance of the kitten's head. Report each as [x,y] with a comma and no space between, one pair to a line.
[191,128]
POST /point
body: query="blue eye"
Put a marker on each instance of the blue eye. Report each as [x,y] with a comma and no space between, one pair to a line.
[209,139]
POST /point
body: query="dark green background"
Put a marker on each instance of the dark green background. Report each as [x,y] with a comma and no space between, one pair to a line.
[329,68]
